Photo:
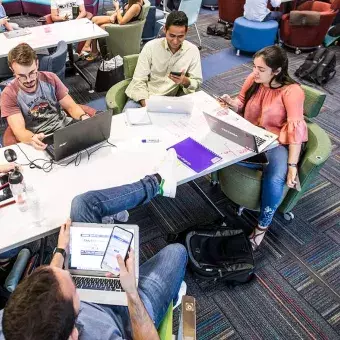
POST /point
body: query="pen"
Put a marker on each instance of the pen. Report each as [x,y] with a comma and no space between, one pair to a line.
[156,140]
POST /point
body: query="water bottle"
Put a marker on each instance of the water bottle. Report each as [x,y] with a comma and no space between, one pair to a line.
[34,206]
[18,188]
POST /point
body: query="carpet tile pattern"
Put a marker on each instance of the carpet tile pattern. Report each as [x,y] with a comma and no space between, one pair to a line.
[296,292]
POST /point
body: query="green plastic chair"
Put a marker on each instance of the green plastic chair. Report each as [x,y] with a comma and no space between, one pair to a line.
[243,185]
[116,97]
[126,39]
[165,328]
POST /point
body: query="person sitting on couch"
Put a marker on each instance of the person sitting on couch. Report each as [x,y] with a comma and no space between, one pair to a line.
[35,102]
[161,56]
[257,10]
[61,10]
[131,12]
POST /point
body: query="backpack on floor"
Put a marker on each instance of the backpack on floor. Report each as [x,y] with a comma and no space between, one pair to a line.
[217,252]
[319,67]
[219,29]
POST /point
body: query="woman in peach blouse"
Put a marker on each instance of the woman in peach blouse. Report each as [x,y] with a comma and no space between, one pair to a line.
[271,99]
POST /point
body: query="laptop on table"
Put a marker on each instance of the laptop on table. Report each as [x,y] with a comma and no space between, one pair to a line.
[80,136]
[166,104]
[238,135]
[88,243]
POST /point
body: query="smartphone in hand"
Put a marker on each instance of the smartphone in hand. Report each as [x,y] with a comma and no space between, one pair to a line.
[177,74]
[119,243]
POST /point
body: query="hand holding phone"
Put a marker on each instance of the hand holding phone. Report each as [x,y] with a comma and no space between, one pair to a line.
[118,244]
[176,74]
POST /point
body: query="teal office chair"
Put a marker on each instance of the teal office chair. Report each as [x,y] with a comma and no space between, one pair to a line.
[191,8]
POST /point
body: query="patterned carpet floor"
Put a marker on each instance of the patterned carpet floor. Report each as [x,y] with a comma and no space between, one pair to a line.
[296,293]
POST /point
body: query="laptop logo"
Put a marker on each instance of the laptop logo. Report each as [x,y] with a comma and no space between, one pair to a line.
[62,144]
[169,107]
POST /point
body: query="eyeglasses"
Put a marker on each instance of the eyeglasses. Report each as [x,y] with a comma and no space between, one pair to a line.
[31,76]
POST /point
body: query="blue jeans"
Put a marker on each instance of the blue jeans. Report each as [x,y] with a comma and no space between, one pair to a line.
[161,276]
[131,104]
[92,206]
[274,177]
[273,15]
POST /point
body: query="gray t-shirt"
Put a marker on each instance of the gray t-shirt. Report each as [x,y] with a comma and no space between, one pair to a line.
[40,109]
[97,322]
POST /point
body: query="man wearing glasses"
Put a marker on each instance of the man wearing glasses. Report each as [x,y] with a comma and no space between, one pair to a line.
[35,103]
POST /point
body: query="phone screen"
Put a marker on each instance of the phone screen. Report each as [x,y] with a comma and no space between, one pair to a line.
[119,243]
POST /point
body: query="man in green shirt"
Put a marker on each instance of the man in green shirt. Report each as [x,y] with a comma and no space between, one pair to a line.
[161,56]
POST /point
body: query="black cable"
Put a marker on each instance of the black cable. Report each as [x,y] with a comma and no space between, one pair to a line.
[47,166]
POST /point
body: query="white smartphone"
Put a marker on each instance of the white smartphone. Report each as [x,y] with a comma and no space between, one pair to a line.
[119,243]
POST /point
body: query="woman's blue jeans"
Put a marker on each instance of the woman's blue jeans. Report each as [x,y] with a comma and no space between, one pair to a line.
[273,182]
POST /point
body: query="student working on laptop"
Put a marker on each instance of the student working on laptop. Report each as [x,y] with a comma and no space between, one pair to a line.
[271,99]
[45,305]
[159,58]
[35,103]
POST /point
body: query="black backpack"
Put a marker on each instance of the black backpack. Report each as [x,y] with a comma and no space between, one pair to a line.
[217,252]
[219,29]
[319,67]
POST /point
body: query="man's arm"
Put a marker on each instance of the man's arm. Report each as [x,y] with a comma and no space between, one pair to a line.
[82,12]
[63,242]
[73,109]
[55,16]
[194,74]
[17,123]
[142,326]
[138,89]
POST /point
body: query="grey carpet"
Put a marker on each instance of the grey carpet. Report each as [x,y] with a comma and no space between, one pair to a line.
[296,294]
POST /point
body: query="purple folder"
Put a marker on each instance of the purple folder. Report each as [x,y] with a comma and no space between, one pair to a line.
[195,155]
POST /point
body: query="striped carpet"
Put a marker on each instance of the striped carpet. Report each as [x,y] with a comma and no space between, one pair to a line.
[296,294]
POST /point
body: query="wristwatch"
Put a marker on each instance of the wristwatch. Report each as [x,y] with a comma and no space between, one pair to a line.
[59,250]
[292,165]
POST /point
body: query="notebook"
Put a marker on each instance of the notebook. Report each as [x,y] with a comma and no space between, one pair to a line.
[195,155]
[137,116]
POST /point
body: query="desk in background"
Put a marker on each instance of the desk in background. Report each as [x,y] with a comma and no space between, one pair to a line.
[47,36]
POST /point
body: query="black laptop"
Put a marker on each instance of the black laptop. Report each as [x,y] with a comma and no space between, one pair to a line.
[80,136]
[234,134]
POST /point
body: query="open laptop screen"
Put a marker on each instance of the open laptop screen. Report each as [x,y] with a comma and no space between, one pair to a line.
[87,247]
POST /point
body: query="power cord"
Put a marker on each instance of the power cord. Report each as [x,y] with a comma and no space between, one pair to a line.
[47,166]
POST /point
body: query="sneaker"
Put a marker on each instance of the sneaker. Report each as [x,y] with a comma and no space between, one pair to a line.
[167,170]
[122,216]
[181,293]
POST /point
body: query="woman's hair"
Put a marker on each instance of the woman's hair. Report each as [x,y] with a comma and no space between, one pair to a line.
[274,57]
[132,2]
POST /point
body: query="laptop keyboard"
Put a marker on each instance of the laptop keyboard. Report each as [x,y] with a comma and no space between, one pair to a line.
[259,140]
[96,283]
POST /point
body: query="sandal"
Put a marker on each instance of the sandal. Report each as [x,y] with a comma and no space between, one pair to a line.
[92,57]
[254,235]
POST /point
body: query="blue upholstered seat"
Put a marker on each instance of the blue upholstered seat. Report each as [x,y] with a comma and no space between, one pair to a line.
[251,36]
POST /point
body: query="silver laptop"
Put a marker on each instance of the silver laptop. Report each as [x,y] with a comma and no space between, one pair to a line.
[17,33]
[238,135]
[165,104]
[88,243]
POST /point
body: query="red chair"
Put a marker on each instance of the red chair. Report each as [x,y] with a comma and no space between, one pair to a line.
[10,139]
[230,10]
[308,37]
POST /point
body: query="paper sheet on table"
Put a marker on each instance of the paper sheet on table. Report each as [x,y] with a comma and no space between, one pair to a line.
[137,116]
